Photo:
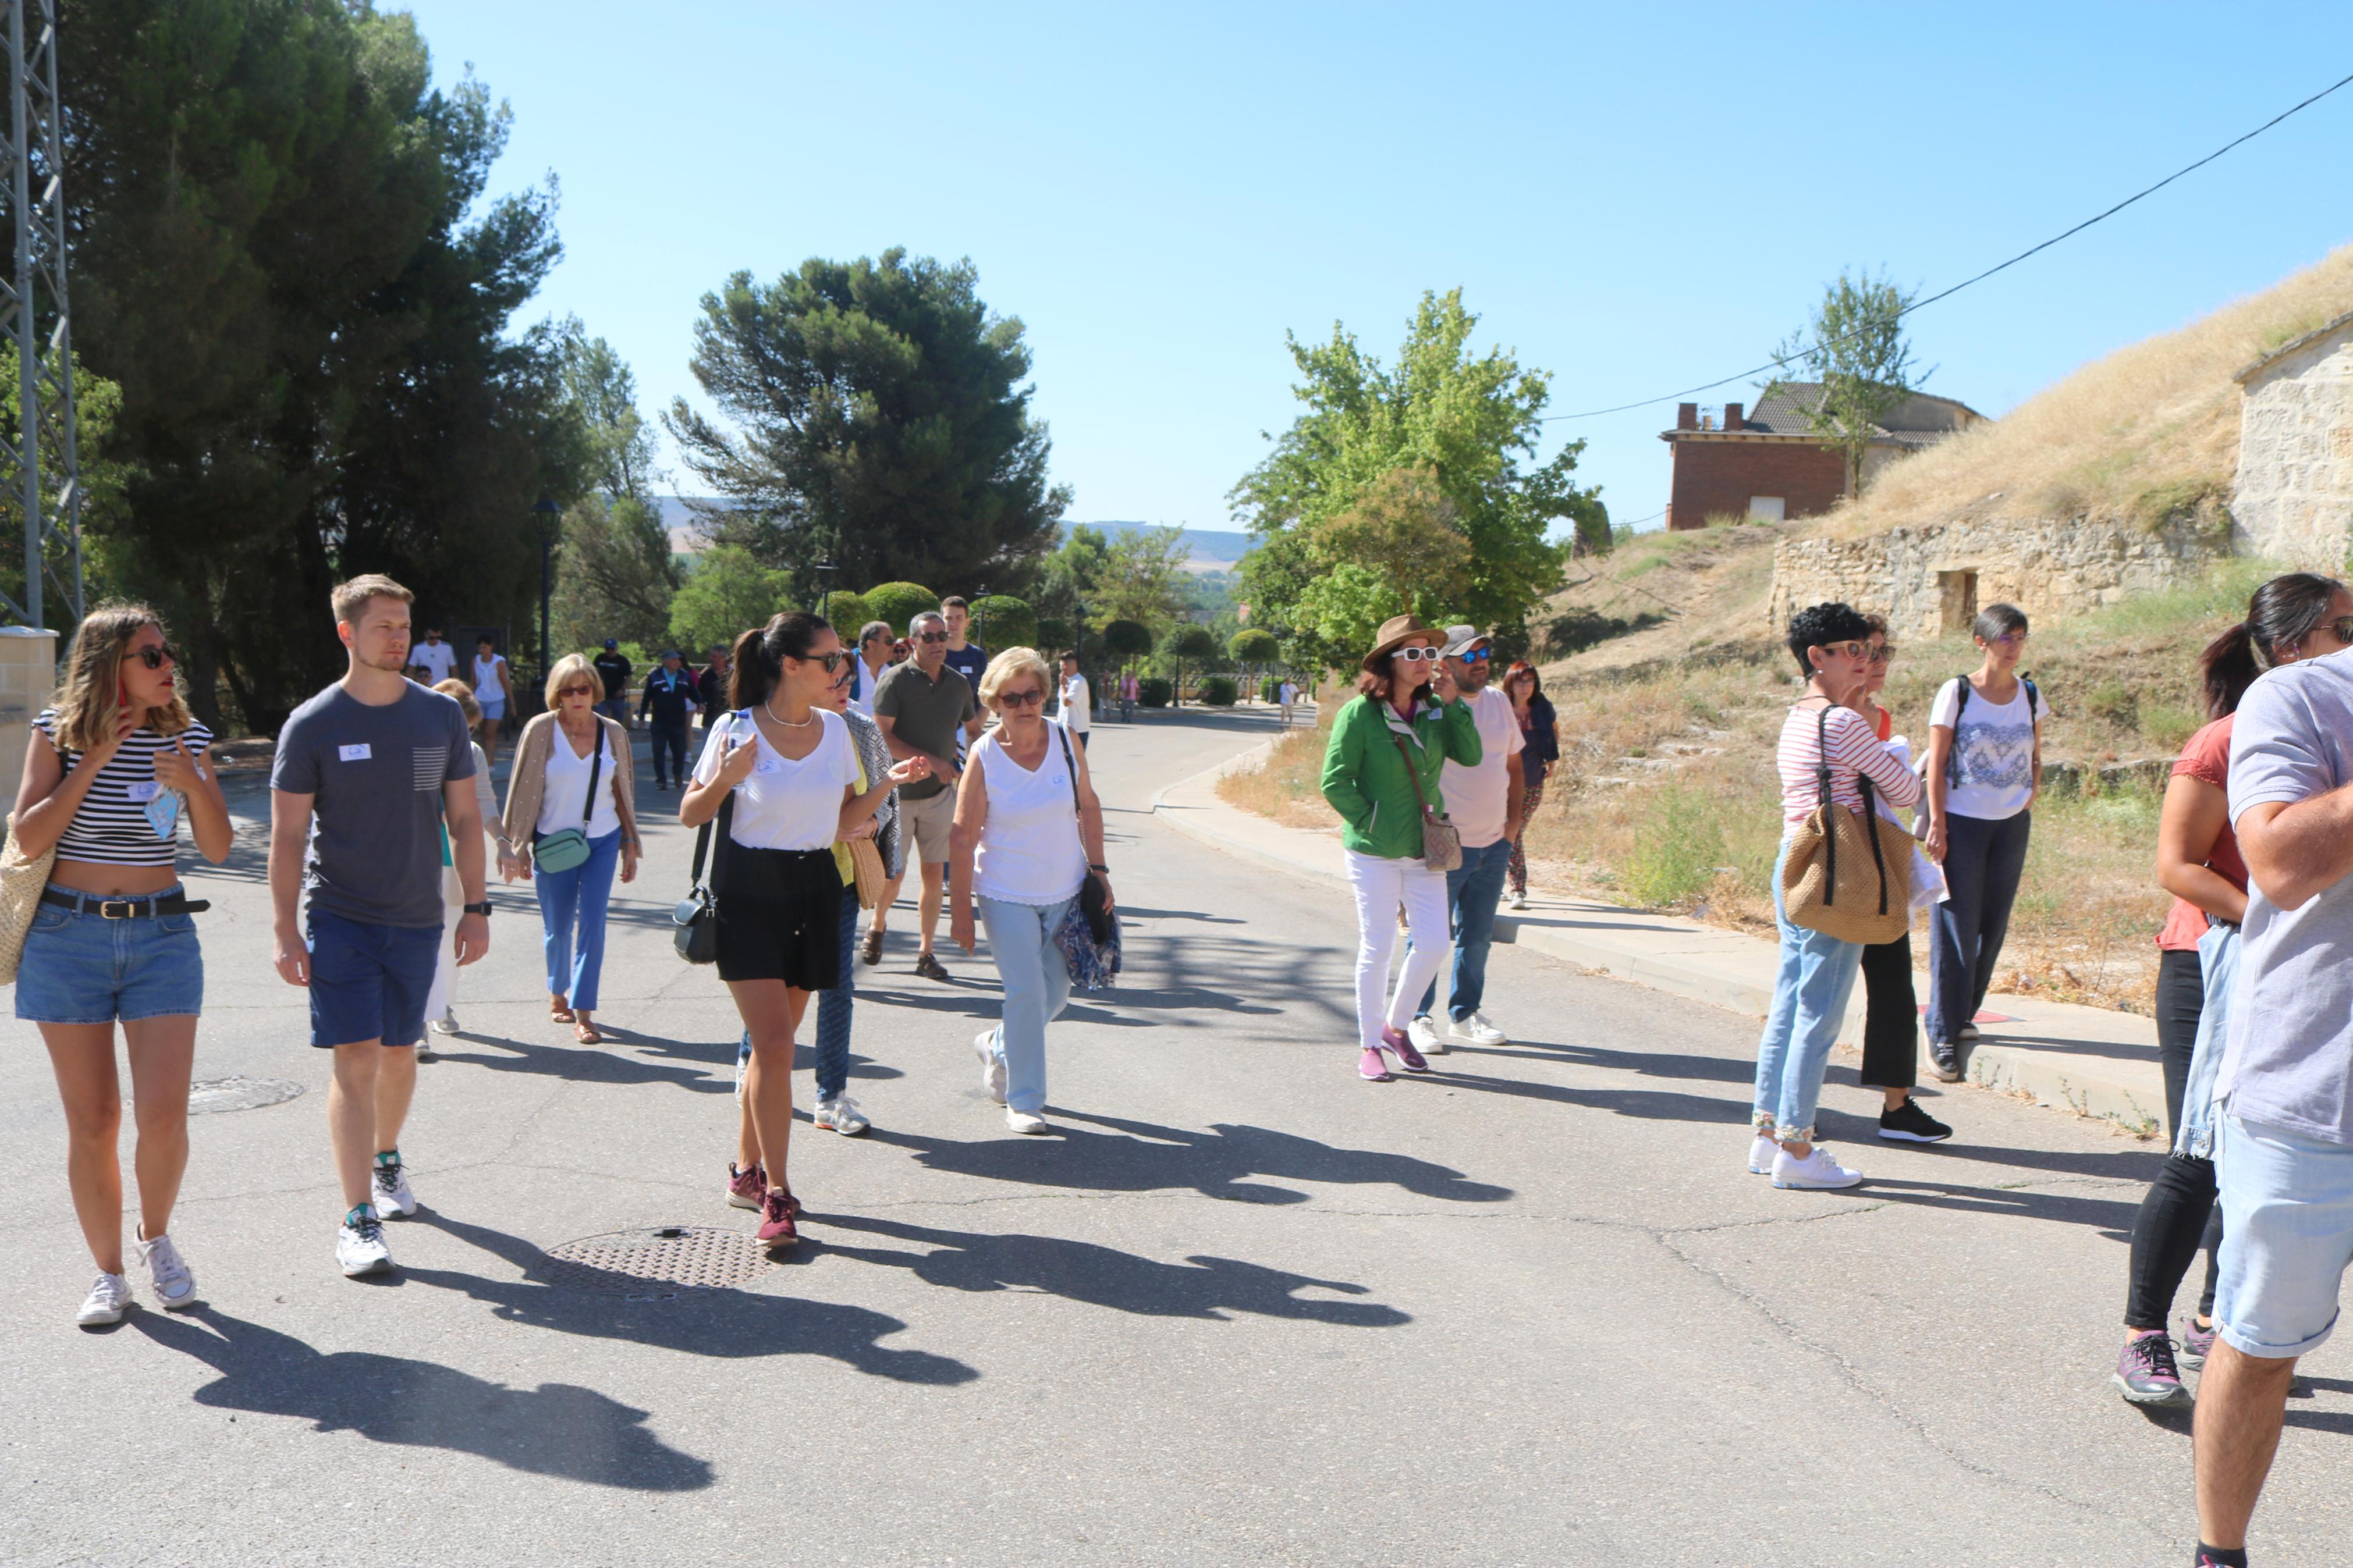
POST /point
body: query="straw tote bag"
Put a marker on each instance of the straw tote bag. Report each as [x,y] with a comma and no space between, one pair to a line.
[1849,873]
[21,881]
[867,875]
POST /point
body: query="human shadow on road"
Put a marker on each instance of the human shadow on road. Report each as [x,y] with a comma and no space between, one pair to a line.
[2113,1217]
[731,1324]
[1200,1286]
[1140,1157]
[598,1064]
[555,1429]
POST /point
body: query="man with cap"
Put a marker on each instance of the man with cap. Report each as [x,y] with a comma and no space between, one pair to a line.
[613,670]
[670,698]
[1484,801]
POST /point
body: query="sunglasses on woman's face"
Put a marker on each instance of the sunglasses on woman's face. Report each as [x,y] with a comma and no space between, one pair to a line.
[1854,651]
[1881,653]
[832,661]
[157,656]
[1416,654]
[589,691]
[2341,628]
[1020,699]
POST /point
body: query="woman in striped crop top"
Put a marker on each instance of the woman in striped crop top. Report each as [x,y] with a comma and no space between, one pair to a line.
[120,762]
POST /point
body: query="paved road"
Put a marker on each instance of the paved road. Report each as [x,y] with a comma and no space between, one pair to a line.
[1245,1310]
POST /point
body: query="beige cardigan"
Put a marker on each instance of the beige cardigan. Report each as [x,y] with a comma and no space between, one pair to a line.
[529,779]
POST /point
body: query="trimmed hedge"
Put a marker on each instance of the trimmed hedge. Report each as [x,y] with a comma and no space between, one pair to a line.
[1154,692]
[899,603]
[1217,690]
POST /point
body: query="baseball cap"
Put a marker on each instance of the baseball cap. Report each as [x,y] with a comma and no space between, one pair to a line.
[1459,641]
[612,643]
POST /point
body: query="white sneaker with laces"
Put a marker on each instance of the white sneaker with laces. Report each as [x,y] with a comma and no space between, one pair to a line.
[390,1192]
[840,1113]
[109,1298]
[1816,1171]
[992,1065]
[1026,1122]
[1475,1030]
[174,1285]
[1761,1155]
[1518,900]
[1426,1037]
[359,1246]
[446,1024]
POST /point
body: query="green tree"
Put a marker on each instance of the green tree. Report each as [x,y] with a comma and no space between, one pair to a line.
[1000,621]
[899,603]
[847,612]
[1253,648]
[1187,641]
[1140,577]
[726,595]
[615,572]
[1856,348]
[879,414]
[1463,429]
[1067,583]
[1127,640]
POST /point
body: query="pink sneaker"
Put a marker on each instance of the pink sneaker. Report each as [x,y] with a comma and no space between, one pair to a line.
[1402,1049]
[746,1188]
[1371,1067]
[777,1212]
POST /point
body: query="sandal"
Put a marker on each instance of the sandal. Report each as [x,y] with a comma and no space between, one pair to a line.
[872,951]
[587,1034]
[558,1013]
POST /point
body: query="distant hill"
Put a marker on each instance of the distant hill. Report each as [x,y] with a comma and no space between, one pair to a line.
[1213,549]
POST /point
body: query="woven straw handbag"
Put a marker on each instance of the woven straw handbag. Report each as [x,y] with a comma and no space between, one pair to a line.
[21,881]
[1849,873]
[866,866]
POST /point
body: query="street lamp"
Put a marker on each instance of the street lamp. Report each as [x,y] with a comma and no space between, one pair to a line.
[548,512]
[825,570]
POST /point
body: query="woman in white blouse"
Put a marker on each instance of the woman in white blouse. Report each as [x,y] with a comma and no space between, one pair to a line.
[440,1015]
[572,771]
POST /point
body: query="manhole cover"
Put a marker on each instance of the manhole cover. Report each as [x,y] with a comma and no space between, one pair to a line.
[656,1262]
[238,1094]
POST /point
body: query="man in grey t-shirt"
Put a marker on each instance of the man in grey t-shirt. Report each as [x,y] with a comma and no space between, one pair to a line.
[2284,1150]
[366,773]
[924,708]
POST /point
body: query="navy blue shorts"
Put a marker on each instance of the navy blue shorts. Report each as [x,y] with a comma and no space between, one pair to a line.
[368,981]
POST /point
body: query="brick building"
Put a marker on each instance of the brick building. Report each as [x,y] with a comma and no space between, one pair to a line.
[1769,465]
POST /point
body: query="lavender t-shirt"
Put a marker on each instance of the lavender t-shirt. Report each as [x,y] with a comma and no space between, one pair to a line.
[2290,1060]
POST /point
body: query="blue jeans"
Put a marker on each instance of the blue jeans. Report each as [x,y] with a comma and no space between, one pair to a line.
[1810,991]
[1983,860]
[833,1009]
[1473,889]
[1037,985]
[572,920]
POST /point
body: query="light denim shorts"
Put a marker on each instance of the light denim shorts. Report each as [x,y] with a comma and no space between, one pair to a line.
[81,968]
[2287,1236]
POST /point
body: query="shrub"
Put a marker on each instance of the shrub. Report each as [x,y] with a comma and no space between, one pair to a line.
[1269,687]
[1154,692]
[1254,645]
[2169,724]
[1127,639]
[847,612]
[899,603]
[1218,690]
[1001,621]
[1676,850]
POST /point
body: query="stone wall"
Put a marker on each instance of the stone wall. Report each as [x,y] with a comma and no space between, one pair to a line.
[1929,581]
[28,673]
[2294,501]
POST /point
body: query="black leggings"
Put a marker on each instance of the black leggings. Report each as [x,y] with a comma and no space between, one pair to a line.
[1891,1018]
[2178,1214]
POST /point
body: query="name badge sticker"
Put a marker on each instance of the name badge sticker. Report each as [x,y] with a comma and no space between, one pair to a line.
[358,754]
[142,790]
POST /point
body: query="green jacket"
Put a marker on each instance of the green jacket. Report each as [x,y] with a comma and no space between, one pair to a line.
[1364,777]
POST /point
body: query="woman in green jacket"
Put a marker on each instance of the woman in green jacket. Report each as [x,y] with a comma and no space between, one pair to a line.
[1387,749]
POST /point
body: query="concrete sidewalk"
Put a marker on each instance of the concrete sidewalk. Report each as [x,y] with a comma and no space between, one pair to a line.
[2092,1060]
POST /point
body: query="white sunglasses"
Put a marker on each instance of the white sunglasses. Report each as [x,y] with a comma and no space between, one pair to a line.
[1416,654]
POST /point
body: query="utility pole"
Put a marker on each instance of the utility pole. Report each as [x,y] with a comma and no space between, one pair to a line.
[34,318]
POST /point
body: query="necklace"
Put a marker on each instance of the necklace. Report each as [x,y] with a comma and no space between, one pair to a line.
[786,723]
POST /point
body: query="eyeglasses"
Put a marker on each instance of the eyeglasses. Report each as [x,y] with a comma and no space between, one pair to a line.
[1854,651]
[1020,699]
[1886,651]
[162,654]
[931,636]
[1416,654]
[1477,655]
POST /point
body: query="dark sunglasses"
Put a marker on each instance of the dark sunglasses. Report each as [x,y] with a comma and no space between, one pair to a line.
[832,661]
[589,691]
[1477,655]
[931,636]
[1020,699]
[157,657]
[1885,652]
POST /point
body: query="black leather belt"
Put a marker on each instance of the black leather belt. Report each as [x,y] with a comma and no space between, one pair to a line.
[138,907]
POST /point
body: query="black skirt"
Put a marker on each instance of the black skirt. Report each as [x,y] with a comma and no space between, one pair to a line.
[779,917]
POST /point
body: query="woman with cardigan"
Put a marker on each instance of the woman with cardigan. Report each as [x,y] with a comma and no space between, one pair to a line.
[1381,766]
[572,771]
[1540,733]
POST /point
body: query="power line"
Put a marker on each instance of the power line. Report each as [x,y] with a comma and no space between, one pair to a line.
[1947,293]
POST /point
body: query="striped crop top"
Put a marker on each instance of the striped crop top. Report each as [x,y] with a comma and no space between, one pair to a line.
[111,828]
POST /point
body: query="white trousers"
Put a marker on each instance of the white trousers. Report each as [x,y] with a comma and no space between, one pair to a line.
[1380,887]
[444,968]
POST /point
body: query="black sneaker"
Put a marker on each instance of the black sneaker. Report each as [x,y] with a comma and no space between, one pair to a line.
[1907,1123]
[1945,1060]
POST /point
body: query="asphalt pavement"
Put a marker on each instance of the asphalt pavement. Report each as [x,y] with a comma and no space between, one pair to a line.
[1242,1309]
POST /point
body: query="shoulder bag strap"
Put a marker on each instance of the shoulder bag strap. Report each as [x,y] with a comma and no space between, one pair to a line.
[1071,762]
[1828,801]
[1412,775]
[1953,757]
[596,771]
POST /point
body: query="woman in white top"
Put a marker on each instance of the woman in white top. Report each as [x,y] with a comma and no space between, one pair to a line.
[113,939]
[440,1017]
[492,692]
[564,753]
[1985,767]
[1028,830]
[785,772]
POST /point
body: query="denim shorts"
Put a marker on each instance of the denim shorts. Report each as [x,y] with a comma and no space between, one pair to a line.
[2287,1236]
[369,981]
[81,968]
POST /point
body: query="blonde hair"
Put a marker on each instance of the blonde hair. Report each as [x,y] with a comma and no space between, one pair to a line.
[351,599]
[453,687]
[1012,662]
[86,702]
[560,677]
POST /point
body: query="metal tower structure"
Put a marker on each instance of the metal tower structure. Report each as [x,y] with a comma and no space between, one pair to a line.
[39,465]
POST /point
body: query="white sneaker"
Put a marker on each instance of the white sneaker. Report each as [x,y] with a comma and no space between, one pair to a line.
[359,1246]
[391,1192]
[175,1286]
[1475,1030]
[992,1065]
[107,1299]
[1516,901]
[1816,1170]
[1426,1037]
[1761,1155]
[1026,1122]
[840,1113]
[446,1024]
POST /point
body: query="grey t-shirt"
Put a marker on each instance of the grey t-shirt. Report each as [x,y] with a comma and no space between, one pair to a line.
[374,853]
[2290,1061]
[928,714]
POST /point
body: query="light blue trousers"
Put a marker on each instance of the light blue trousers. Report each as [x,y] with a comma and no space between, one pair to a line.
[1037,985]
[1810,991]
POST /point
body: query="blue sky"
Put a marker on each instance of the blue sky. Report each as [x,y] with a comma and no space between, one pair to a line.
[1635,198]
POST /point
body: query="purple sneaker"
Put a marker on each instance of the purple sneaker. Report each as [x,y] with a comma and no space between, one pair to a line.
[777,1213]
[746,1188]
[2195,1342]
[2146,1375]
[1397,1045]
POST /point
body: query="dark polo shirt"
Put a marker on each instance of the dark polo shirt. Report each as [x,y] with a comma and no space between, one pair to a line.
[926,713]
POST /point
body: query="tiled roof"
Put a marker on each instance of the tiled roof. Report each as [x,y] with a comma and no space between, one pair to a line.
[1923,420]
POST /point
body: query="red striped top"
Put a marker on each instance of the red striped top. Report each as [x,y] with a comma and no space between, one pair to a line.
[1854,749]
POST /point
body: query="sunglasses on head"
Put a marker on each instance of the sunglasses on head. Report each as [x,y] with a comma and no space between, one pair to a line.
[158,656]
[1020,699]
[1416,654]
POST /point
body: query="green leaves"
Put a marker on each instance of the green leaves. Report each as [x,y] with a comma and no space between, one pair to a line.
[1855,347]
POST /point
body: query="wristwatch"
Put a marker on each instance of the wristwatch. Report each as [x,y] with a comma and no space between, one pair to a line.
[482,908]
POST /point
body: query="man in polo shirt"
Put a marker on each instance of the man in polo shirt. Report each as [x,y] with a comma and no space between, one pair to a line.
[1485,804]
[924,708]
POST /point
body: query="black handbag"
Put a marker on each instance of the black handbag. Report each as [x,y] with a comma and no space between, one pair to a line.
[1089,935]
[697,915]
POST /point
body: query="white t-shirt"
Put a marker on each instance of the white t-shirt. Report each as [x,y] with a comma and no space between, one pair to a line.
[488,689]
[1995,744]
[1077,704]
[867,681]
[566,790]
[435,658]
[785,803]
[1475,796]
[1287,693]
